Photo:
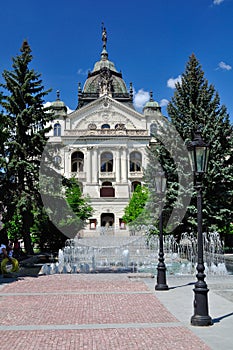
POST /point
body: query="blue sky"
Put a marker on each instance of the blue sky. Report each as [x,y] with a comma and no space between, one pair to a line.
[149,41]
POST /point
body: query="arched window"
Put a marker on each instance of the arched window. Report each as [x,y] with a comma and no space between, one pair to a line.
[106,162]
[57,129]
[134,185]
[105,126]
[107,219]
[135,163]
[153,129]
[107,184]
[77,162]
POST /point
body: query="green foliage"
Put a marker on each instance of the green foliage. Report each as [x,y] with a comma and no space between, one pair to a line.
[13,226]
[65,211]
[136,206]
[168,155]
[196,103]
[45,234]
[23,122]
[77,202]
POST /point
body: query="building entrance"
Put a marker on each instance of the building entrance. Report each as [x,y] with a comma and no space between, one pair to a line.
[107,219]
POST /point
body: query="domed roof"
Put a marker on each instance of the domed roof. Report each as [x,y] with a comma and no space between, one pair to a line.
[58,105]
[104,63]
[152,103]
[104,79]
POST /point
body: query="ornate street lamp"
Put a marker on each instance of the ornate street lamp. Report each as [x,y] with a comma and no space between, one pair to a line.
[160,183]
[199,152]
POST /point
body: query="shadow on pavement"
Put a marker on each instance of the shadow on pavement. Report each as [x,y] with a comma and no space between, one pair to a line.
[183,285]
[218,319]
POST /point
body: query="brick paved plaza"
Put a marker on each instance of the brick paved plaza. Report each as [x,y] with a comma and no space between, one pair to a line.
[91,312]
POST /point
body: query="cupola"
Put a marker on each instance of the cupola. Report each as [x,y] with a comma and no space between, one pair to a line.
[104,80]
[151,104]
[59,106]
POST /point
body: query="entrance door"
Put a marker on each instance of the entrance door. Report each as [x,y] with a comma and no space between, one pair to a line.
[107,219]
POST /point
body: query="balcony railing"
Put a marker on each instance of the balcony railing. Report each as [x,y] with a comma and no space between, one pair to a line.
[106,175]
[106,132]
[136,174]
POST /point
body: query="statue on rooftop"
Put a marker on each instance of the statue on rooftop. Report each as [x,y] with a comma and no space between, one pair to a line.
[104,36]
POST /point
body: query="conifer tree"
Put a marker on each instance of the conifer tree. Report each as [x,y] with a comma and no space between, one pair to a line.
[25,119]
[196,104]
[168,157]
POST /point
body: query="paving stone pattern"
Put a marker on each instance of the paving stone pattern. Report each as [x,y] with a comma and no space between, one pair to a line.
[88,312]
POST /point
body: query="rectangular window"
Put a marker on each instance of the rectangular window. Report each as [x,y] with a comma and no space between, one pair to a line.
[122,224]
[93,223]
[107,192]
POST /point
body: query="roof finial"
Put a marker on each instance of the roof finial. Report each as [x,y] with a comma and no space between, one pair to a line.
[131,90]
[104,36]
[58,95]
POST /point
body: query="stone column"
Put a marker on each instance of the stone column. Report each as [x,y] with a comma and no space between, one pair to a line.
[67,165]
[88,166]
[118,165]
[95,168]
[124,165]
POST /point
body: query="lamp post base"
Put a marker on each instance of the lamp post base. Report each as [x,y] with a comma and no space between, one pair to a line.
[198,320]
[201,316]
[161,278]
[161,287]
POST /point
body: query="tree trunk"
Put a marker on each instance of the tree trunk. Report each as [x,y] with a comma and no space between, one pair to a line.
[26,234]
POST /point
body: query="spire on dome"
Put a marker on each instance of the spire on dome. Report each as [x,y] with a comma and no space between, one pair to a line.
[104,36]
[152,104]
[104,54]
[104,79]
[59,106]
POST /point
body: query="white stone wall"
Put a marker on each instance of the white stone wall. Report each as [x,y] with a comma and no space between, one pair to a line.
[78,134]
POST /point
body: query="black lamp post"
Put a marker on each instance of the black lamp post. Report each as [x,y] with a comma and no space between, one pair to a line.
[161,268]
[199,151]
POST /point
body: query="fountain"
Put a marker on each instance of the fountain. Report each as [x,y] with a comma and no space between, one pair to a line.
[111,253]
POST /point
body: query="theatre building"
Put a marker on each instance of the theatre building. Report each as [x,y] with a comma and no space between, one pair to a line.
[104,143]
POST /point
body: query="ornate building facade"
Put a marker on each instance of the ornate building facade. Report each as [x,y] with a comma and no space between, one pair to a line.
[104,142]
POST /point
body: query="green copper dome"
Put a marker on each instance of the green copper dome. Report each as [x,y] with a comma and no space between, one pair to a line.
[58,105]
[104,80]
[152,103]
[104,63]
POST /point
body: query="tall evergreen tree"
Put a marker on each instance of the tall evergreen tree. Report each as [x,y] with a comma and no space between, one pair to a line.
[196,104]
[25,119]
[168,155]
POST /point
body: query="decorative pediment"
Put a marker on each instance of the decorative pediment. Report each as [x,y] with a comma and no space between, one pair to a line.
[106,110]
